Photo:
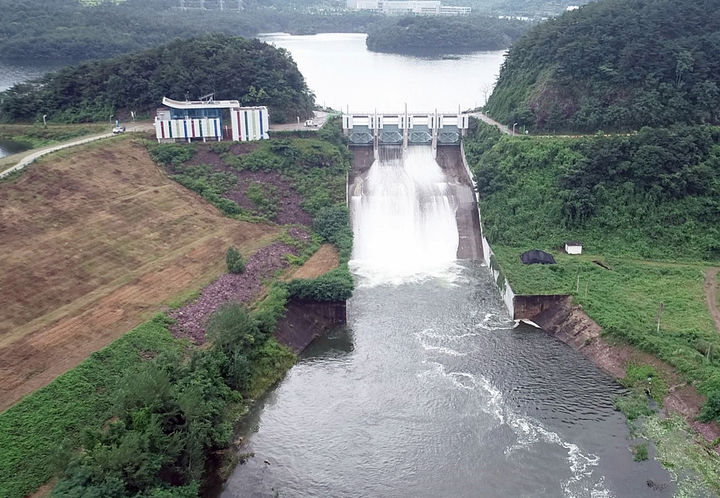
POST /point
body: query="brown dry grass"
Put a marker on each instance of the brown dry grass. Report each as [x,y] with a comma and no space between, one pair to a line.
[92,242]
[325,259]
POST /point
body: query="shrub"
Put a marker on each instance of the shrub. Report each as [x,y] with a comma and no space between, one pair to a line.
[640,452]
[168,154]
[333,225]
[336,285]
[711,410]
[234,261]
[232,329]
[264,197]
[647,379]
[272,308]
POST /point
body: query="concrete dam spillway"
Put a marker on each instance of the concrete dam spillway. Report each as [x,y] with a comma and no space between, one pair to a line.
[412,214]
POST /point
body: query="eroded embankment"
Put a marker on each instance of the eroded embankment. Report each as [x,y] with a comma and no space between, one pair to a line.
[460,191]
[557,316]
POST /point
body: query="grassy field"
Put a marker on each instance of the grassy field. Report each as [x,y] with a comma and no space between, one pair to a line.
[94,241]
[625,299]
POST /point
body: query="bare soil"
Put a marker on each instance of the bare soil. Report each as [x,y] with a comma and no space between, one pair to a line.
[711,295]
[92,243]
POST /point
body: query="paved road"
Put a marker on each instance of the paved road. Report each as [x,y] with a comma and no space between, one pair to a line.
[318,121]
[491,121]
[27,158]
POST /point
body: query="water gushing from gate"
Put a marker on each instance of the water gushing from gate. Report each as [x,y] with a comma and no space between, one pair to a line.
[403,218]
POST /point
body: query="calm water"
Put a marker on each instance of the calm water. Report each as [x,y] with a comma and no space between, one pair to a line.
[10,75]
[342,72]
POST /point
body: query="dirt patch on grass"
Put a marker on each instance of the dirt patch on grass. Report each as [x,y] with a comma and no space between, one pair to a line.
[92,243]
[711,295]
[325,259]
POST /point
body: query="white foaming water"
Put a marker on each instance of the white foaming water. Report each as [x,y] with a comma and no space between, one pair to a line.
[528,431]
[403,219]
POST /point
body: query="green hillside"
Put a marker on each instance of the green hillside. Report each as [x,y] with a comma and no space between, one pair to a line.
[230,67]
[654,194]
[615,65]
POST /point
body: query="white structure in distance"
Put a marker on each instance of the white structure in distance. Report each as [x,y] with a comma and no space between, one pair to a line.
[418,7]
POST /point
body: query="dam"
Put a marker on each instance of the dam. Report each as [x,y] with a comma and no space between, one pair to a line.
[432,390]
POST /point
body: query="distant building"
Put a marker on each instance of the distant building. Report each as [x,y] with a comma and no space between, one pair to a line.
[417,7]
[193,120]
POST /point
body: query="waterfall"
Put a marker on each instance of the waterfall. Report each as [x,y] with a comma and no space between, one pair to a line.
[403,218]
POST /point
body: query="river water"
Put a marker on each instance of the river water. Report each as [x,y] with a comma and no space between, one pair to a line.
[342,73]
[432,390]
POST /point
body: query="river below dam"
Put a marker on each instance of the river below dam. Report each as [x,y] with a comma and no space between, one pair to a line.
[432,390]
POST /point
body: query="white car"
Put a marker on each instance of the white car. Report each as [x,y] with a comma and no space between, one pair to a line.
[310,123]
[118,129]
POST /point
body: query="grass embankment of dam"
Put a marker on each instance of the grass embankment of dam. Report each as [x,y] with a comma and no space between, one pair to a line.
[643,207]
[152,412]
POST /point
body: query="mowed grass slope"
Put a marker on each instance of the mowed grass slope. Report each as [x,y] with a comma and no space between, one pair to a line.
[93,240]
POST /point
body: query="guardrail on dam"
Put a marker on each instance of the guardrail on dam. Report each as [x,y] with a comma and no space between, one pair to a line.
[405,128]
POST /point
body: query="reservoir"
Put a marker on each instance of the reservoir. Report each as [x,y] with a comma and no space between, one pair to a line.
[431,390]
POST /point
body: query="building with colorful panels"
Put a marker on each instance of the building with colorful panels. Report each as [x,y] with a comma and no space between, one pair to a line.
[195,120]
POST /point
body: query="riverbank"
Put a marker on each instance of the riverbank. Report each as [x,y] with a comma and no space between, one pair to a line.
[684,442]
[625,311]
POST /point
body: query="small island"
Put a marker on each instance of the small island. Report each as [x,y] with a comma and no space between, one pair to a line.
[438,36]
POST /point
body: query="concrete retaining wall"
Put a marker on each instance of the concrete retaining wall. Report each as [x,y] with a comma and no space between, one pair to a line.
[307,320]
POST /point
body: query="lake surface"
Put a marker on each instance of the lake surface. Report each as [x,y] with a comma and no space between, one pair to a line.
[431,390]
[342,72]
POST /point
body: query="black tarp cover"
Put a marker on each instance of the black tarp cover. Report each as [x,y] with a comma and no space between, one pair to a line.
[535,256]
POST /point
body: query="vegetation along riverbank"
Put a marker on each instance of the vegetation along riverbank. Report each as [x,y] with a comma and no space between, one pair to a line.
[647,242]
[152,413]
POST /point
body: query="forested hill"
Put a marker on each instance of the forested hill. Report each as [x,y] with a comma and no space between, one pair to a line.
[615,65]
[443,35]
[67,31]
[233,68]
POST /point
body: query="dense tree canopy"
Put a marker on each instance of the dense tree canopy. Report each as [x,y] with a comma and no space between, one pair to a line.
[443,35]
[61,31]
[653,194]
[233,68]
[615,65]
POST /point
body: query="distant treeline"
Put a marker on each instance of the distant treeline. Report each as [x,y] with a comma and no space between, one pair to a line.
[615,65]
[443,35]
[41,31]
[230,67]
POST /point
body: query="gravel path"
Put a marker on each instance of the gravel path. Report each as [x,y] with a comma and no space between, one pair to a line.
[711,295]
[191,319]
